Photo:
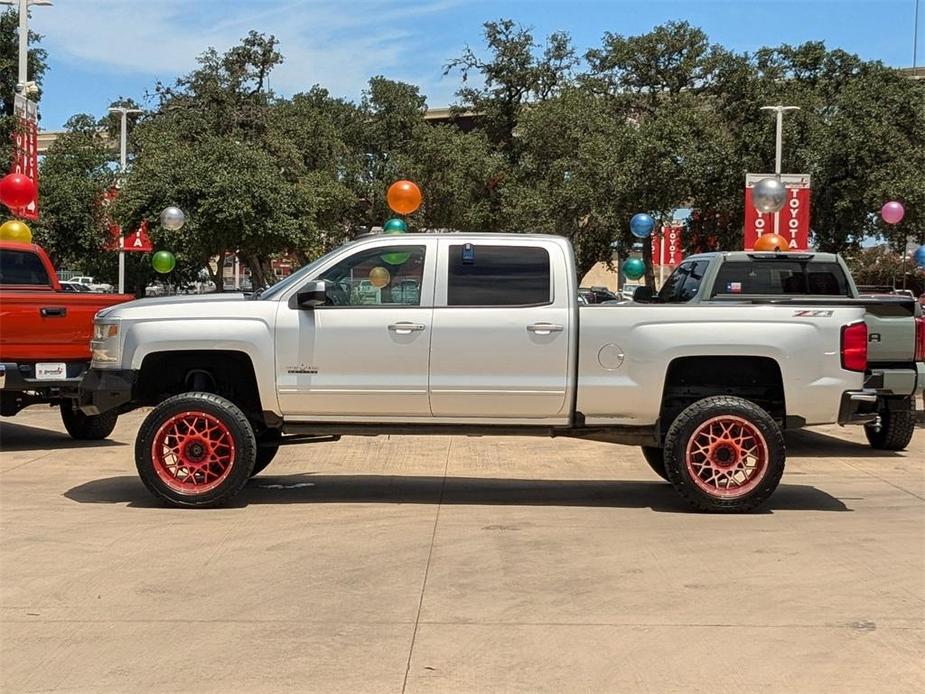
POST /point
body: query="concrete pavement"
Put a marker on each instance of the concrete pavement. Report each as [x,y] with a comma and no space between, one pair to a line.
[452,564]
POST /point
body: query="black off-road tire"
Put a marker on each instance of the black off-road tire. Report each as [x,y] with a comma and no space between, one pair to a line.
[267,448]
[84,427]
[716,412]
[228,421]
[655,457]
[897,426]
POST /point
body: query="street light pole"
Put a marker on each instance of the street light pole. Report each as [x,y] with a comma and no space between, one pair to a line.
[779,147]
[123,161]
[23,85]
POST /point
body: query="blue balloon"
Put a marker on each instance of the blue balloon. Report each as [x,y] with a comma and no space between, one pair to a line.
[641,225]
[919,256]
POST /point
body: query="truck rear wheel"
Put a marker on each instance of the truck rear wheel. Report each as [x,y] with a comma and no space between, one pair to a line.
[655,457]
[897,426]
[725,454]
[195,450]
[83,427]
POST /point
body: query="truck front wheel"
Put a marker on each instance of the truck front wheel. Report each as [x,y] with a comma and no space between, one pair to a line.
[724,454]
[195,450]
[897,426]
[83,427]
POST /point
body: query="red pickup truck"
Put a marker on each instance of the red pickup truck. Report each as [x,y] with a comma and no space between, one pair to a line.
[45,339]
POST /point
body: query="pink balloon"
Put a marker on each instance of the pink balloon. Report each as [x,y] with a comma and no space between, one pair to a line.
[892,212]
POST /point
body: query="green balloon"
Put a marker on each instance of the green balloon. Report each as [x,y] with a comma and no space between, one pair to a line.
[396,258]
[163,262]
[634,268]
[395,226]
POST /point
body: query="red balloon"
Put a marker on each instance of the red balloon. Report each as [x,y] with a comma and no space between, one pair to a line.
[16,190]
[404,197]
[770,242]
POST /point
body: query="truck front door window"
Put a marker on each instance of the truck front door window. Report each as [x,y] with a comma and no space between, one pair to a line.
[378,277]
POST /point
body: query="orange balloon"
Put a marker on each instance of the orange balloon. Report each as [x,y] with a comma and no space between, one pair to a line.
[379,277]
[404,197]
[770,242]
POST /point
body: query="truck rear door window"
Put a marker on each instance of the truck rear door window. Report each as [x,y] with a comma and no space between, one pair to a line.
[498,276]
[21,267]
[780,278]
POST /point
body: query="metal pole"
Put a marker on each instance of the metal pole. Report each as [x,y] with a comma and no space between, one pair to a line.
[779,147]
[122,162]
[23,45]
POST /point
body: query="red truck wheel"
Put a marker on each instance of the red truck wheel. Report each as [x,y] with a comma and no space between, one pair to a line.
[84,427]
[196,450]
[725,454]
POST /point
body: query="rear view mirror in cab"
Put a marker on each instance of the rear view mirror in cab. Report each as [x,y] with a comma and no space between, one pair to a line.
[313,294]
[643,295]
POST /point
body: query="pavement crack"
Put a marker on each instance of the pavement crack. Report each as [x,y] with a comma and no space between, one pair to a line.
[430,554]
[885,481]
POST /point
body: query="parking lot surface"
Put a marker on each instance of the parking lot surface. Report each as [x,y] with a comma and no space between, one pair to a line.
[431,564]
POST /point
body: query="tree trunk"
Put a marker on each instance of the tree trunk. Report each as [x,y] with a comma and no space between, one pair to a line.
[218,277]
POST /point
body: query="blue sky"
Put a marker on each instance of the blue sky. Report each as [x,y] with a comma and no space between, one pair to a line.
[102,49]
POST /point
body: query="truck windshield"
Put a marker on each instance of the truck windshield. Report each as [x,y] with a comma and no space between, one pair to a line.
[780,278]
[683,284]
[22,267]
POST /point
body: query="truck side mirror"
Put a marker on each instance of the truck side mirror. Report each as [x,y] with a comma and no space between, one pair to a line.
[643,295]
[313,294]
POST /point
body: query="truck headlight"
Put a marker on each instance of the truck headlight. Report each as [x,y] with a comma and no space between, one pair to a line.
[105,345]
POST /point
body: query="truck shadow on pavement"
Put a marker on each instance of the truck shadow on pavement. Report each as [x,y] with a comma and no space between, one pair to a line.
[814,444]
[393,489]
[21,437]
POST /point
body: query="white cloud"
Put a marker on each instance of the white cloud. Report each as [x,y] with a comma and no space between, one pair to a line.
[336,44]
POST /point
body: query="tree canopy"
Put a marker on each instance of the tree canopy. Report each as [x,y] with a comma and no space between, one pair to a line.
[542,138]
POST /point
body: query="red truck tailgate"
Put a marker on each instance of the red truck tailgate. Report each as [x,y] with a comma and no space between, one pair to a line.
[48,325]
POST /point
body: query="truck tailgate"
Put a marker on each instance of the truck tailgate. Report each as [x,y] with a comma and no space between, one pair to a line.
[890,329]
[40,325]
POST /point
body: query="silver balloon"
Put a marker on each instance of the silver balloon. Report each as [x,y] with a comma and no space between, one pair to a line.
[769,195]
[172,218]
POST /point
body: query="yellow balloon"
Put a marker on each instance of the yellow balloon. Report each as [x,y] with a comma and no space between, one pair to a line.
[379,277]
[14,230]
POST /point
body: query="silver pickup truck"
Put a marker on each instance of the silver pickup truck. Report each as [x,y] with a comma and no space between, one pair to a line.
[895,326]
[470,334]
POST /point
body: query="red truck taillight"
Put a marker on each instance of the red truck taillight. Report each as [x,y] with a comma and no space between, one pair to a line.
[920,339]
[854,346]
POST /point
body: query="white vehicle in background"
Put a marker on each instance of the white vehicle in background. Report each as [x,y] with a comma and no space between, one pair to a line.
[92,284]
[477,334]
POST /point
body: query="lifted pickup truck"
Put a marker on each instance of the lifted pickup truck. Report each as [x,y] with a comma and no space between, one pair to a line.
[493,343]
[45,339]
[895,326]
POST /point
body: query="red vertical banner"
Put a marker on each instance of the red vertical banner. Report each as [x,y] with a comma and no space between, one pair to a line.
[794,217]
[667,248]
[26,150]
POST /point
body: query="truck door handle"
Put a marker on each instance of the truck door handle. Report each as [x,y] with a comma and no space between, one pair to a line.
[52,311]
[405,328]
[544,328]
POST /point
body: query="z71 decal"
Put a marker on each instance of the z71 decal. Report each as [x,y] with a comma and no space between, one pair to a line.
[809,313]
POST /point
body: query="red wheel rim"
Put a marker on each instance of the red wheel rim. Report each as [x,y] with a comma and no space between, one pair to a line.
[193,452]
[727,457]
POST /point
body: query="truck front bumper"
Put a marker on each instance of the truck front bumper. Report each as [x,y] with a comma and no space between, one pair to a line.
[858,406]
[102,390]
